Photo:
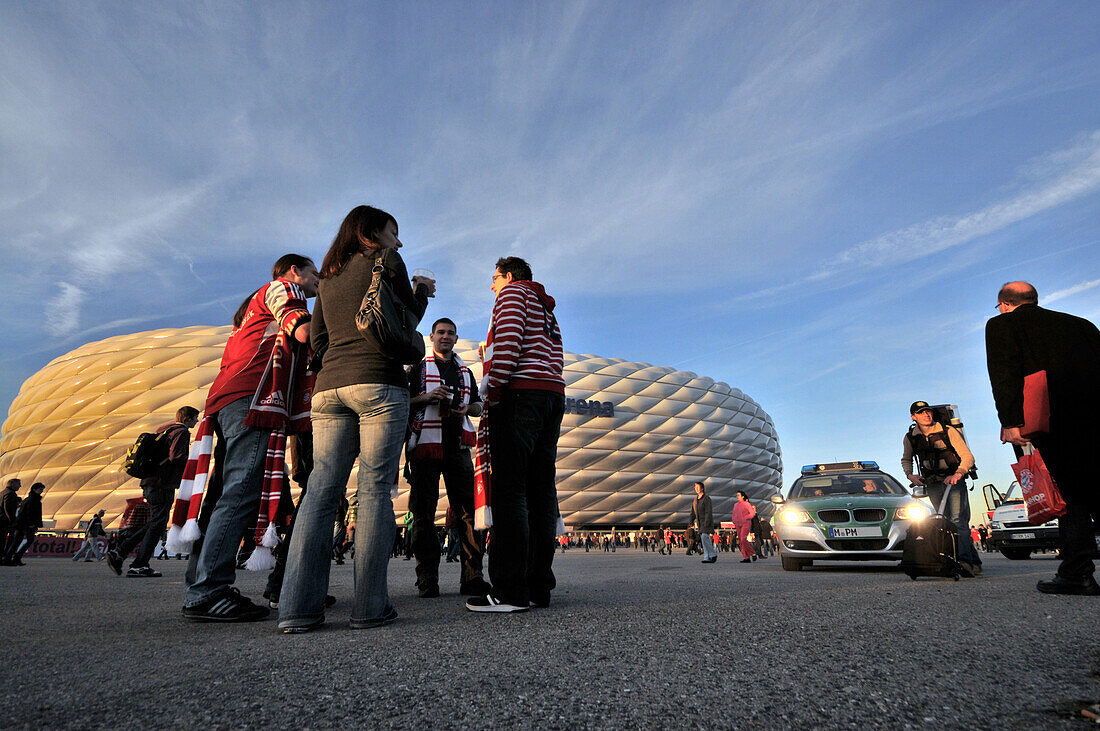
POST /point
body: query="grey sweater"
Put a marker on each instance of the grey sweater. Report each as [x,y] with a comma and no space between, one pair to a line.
[347,358]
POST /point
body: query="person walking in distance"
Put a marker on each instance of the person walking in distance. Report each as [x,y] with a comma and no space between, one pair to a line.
[159,491]
[743,513]
[28,519]
[702,516]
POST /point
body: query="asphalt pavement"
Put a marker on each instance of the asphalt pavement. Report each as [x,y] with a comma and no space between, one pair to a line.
[632,639]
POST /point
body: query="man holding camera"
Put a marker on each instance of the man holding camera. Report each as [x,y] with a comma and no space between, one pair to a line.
[943,459]
[443,397]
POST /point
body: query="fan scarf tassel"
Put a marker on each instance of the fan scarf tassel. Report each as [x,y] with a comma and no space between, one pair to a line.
[184,530]
[483,495]
[266,538]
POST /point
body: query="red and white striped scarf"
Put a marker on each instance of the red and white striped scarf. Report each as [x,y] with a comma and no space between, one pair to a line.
[281,404]
[426,440]
[483,467]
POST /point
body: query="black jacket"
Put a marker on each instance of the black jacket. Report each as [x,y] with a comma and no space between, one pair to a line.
[9,506]
[1031,339]
[30,512]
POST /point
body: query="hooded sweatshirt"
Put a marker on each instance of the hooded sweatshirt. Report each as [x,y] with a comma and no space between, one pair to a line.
[526,342]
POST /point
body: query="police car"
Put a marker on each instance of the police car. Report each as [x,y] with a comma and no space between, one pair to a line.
[847,511]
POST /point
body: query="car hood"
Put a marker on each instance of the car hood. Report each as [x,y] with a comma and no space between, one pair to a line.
[850,501]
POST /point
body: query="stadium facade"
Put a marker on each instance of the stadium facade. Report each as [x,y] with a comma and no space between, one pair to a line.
[634,438]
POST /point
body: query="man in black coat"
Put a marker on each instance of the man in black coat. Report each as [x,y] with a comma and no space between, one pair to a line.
[1026,338]
[9,506]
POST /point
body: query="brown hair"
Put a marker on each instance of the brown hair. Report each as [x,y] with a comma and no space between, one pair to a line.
[356,235]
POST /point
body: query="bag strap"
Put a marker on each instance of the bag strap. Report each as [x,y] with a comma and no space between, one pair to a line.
[943,501]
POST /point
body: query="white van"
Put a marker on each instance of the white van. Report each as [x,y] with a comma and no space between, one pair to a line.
[1010,532]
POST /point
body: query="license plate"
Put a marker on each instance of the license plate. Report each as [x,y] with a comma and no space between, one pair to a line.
[1023,536]
[861,532]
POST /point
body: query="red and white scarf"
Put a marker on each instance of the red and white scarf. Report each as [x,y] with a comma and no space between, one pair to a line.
[426,441]
[281,404]
[483,467]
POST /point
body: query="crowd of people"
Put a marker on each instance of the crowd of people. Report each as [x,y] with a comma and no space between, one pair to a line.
[321,391]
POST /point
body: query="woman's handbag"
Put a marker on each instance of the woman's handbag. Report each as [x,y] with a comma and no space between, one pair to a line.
[1041,495]
[384,318]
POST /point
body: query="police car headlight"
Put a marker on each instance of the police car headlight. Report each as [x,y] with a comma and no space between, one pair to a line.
[912,512]
[795,516]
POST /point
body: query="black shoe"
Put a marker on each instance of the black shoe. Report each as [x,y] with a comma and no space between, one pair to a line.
[965,570]
[490,603]
[754,557]
[330,600]
[389,616]
[115,562]
[709,560]
[1077,587]
[142,572]
[475,587]
[226,606]
[746,560]
[429,590]
[539,602]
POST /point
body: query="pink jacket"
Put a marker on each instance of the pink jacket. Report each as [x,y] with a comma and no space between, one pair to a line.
[743,512]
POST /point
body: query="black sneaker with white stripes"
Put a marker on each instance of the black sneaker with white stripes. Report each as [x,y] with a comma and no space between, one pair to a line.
[226,606]
[490,603]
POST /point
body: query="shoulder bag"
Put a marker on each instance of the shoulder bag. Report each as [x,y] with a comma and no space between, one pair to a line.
[384,318]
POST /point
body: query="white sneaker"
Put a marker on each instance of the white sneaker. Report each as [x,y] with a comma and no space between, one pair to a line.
[490,603]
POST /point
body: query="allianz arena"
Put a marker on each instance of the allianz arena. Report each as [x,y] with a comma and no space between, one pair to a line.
[634,438]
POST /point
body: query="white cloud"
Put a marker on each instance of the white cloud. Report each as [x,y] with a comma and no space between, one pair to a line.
[1070,291]
[1067,175]
[63,311]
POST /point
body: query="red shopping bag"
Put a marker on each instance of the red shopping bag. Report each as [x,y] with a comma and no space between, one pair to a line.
[1041,495]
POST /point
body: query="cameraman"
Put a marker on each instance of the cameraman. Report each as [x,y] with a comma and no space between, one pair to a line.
[943,459]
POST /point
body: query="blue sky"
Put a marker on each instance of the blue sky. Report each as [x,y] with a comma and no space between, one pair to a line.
[815,203]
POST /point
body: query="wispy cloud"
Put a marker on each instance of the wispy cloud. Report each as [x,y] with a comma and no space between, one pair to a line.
[1070,291]
[63,311]
[1066,175]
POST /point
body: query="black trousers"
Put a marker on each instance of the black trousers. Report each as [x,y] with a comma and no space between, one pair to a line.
[457,470]
[1068,462]
[19,543]
[523,439]
[160,505]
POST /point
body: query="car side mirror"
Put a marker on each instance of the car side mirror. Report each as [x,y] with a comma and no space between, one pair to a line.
[777,499]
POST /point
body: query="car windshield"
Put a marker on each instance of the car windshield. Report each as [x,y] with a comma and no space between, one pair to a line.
[852,483]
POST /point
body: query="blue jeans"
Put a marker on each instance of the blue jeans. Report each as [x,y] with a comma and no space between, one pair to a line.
[242,479]
[957,511]
[708,545]
[365,420]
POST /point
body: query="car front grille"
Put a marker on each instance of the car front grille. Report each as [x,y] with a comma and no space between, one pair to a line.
[870,515]
[834,516]
[1019,524]
[857,544]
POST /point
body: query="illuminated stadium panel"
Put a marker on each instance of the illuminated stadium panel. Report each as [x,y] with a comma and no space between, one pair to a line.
[634,438]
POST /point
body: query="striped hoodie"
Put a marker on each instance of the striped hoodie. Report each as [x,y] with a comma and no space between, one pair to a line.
[524,342]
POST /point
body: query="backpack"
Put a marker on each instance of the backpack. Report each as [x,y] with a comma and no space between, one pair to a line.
[148,455]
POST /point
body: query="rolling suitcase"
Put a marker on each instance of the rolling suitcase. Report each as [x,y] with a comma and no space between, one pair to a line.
[931,547]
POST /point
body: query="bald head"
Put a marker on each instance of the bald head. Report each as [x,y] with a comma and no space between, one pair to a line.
[1018,293]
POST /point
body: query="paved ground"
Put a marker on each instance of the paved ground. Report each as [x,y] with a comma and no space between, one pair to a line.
[632,639]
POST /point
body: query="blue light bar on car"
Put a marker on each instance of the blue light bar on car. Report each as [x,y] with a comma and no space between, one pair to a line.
[808,469]
[869,465]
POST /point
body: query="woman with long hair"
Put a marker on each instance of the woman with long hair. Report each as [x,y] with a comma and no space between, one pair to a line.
[360,409]
[743,512]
